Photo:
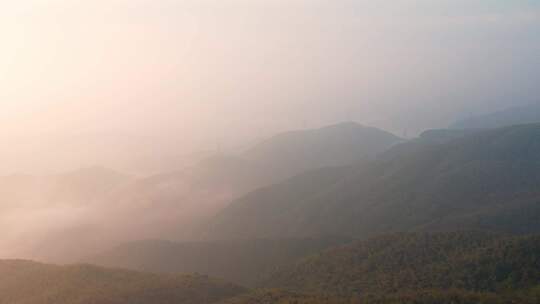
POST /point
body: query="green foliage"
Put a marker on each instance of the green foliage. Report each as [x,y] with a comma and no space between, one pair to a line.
[474,262]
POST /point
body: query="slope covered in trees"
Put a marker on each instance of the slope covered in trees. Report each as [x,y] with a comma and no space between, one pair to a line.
[23,282]
[485,180]
[403,263]
[420,268]
[278,296]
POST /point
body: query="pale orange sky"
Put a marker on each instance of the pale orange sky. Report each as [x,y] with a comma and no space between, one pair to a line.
[191,75]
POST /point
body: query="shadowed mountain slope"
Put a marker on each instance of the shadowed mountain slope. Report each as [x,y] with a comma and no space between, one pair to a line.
[487,180]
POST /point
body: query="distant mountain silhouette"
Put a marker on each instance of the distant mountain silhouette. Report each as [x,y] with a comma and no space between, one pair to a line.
[294,152]
[440,136]
[26,282]
[512,116]
[485,180]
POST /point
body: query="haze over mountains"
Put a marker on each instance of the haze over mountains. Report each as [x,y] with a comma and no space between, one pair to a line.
[79,187]
[424,174]
[512,116]
[44,211]
[295,152]
[219,179]
[113,208]
[486,180]
[269,152]
[316,229]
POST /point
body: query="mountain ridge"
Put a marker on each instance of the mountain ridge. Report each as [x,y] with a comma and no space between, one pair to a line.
[526,114]
[411,186]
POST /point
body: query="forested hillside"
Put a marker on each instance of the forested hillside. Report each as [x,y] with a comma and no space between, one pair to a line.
[277,296]
[472,262]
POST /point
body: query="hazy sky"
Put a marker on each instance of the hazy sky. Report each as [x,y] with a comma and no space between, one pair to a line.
[90,81]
